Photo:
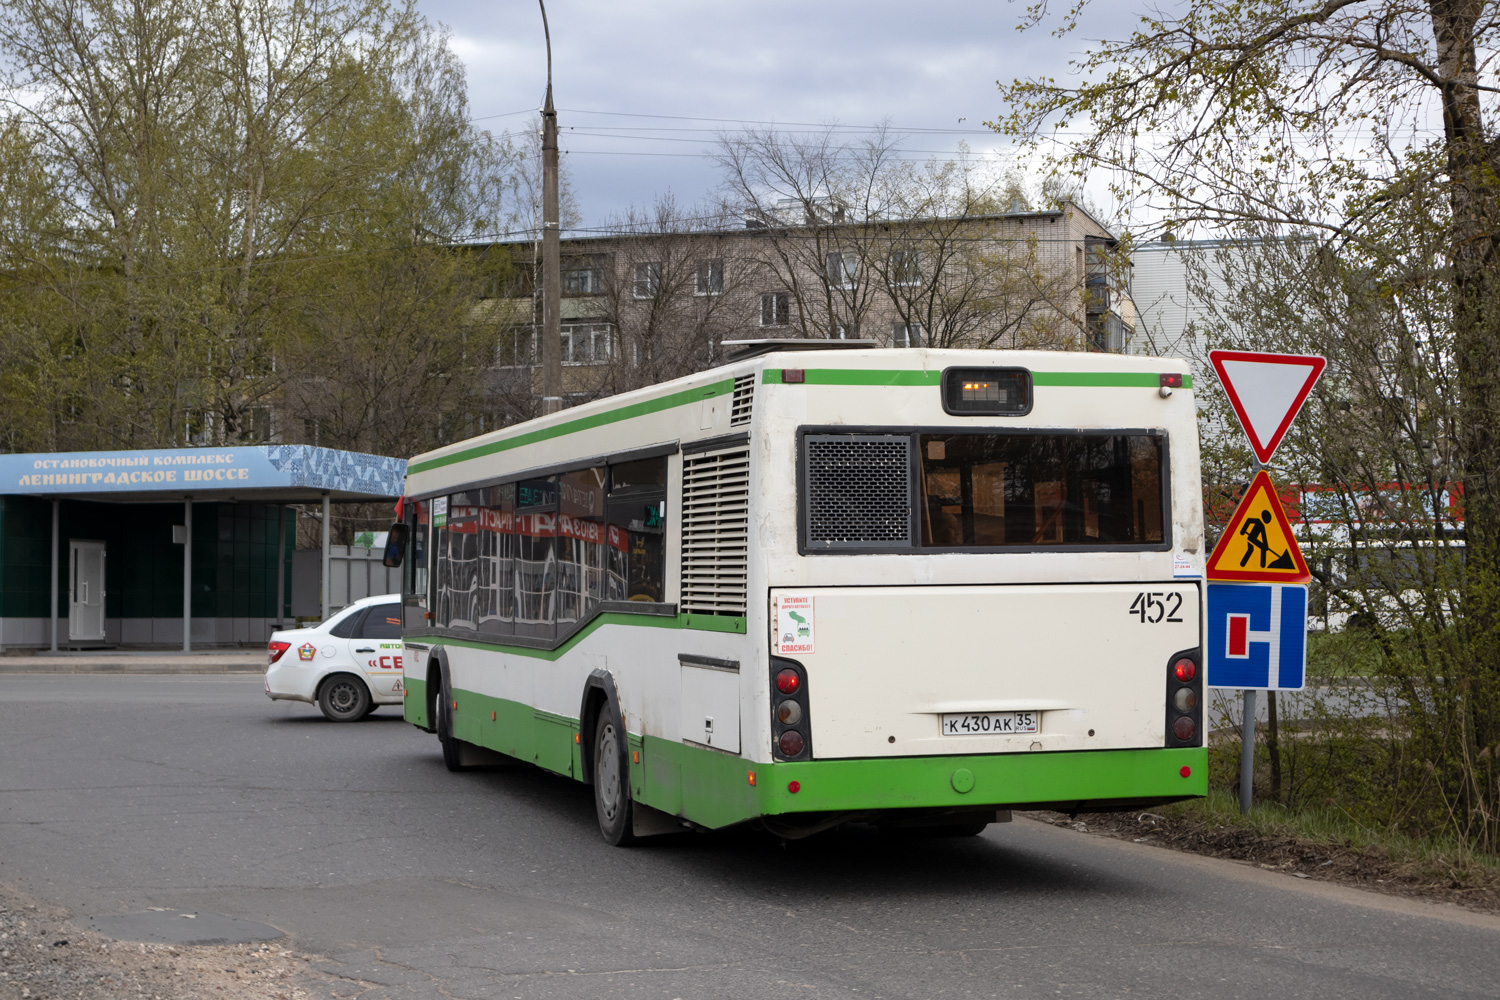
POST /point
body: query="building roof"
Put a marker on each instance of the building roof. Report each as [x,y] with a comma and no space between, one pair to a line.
[266,473]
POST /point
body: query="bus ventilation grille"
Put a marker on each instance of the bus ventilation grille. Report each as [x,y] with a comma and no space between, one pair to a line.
[744,396]
[715,531]
[858,491]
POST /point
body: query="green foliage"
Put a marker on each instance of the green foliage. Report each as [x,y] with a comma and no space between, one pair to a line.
[192,190]
[1302,131]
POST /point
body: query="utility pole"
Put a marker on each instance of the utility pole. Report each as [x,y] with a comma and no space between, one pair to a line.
[552,399]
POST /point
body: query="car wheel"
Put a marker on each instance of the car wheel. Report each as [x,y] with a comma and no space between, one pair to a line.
[442,721]
[344,698]
[611,779]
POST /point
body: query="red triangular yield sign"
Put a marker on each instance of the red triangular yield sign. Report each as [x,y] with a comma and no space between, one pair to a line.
[1266,391]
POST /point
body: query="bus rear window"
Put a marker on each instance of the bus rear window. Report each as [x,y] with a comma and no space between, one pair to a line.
[1029,489]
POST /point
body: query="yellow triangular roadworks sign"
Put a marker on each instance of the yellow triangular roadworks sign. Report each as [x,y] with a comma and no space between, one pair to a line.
[1258,544]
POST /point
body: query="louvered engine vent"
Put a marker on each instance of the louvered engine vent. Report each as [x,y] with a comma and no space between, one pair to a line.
[715,531]
[744,396]
[858,491]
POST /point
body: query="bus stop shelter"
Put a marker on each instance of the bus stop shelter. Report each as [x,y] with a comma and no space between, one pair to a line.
[131,502]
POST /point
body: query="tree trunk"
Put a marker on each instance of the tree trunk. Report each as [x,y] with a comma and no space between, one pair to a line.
[1273,746]
[1474,199]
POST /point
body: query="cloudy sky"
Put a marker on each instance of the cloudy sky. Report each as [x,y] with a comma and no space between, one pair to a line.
[642,87]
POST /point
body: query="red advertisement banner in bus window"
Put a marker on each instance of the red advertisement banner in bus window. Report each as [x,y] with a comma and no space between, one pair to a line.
[536,525]
[463,520]
[499,521]
[584,531]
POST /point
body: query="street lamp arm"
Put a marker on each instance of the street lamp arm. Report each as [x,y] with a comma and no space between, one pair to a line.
[547,34]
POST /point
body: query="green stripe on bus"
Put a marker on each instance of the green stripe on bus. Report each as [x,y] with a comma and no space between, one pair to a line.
[701,623]
[999,780]
[903,377]
[712,787]
[772,376]
[686,396]
[857,376]
[414,707]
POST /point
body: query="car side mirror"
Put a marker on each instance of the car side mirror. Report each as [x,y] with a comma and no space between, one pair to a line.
[395,545]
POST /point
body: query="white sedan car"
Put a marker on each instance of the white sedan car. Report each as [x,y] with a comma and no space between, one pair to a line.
[346,666]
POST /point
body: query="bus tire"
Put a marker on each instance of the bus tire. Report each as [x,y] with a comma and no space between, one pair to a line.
[344,698]
[611,779]
[442,721]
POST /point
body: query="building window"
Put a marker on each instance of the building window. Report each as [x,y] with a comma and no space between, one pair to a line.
[843,269]
[582,278]
[845,331]
[906,269]
[198,427]
[906,334]
[647,280]
[775,309]
[586,343]
[255,424]
[710,278]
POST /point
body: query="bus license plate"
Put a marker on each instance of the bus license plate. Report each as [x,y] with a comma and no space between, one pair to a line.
[991,723]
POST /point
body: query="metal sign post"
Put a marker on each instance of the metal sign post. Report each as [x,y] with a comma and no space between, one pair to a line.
[1257,600]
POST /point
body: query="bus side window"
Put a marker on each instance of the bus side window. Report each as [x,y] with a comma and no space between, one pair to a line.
[414,578]
[637,531]
[581,543]
[498,544]
[536,557]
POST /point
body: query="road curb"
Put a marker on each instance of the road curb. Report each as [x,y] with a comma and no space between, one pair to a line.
[132,665]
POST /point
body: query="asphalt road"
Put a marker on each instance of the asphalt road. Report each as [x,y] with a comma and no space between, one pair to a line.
[121,793]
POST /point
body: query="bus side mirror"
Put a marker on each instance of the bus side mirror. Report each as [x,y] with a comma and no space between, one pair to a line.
[395,545]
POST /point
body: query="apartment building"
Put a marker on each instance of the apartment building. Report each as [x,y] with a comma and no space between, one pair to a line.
[643,305]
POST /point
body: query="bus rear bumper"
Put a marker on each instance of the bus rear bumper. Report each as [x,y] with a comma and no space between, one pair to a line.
[1082,781]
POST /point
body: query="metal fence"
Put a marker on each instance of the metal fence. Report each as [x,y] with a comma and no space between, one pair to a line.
[353,572]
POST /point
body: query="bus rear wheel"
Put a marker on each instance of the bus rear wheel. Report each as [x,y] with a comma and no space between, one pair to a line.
[611,779]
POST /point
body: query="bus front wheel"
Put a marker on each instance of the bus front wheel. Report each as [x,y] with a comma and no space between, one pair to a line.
[442,721]
[611,779]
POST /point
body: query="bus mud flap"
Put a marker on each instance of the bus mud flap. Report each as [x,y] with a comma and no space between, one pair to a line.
[648,822]
[472,755]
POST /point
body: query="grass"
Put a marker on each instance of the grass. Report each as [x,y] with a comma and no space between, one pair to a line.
[1424,861]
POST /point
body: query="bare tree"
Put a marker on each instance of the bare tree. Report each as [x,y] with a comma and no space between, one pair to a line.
[672,292]
[855,233]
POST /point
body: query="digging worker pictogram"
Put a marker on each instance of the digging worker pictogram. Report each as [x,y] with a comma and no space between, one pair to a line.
[1254,531]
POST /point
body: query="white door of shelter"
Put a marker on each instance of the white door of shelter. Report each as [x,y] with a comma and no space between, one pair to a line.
[85,591]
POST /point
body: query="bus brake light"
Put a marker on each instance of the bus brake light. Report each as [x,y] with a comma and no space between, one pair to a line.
[787,682]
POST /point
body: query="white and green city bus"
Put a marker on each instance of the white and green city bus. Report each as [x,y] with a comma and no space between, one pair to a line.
[912,587]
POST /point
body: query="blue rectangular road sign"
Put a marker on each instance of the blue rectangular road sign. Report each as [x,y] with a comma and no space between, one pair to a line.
[1257,636]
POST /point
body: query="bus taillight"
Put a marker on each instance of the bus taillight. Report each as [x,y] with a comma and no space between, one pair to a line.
[791,737]
[1184,700]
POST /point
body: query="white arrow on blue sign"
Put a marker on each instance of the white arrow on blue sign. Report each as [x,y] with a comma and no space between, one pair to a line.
[1257,636]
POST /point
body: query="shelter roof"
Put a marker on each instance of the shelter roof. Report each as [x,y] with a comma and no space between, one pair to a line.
[264,473]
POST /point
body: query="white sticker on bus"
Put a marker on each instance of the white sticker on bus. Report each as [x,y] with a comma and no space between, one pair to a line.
[794,624]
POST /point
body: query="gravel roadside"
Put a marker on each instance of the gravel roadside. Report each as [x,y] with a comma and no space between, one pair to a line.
[44,956]
[1365,868]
